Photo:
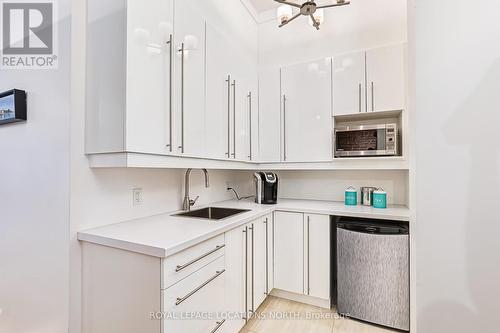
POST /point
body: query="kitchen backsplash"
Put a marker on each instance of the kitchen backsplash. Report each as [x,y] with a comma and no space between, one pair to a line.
[330,185]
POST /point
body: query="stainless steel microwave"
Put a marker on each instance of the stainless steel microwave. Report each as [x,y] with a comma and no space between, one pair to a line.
[366,140]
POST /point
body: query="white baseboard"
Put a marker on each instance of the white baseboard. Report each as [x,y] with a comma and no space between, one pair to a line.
[322,303]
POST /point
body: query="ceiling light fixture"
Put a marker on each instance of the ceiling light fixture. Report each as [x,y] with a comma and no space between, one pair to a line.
[309,8]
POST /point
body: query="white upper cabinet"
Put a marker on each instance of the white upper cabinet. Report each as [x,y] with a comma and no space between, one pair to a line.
[190,78]
[231,100]
[369,81]
[385,76]
[307,111]
[269,115]
[129,76]
[244,100]
[149,76]
[349,83]
[218,96]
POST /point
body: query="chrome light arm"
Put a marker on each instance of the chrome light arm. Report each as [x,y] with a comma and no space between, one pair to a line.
[315,23]
[338,4]
[289,20]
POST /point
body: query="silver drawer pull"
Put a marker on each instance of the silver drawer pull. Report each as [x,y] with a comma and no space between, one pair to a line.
[182,299]
[219,324]
[181,267]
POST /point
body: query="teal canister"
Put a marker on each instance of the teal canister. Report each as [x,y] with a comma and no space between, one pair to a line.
[380,198]
[351,196]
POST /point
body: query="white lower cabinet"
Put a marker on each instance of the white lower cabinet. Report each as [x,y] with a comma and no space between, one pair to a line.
[289,251]
[317,238]
[302,255]
[248,267]
[260,246]
[194,304]
[128,292]
[214,286]
[235,278]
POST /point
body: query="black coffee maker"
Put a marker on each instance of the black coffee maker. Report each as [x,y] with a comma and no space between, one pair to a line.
[266,188]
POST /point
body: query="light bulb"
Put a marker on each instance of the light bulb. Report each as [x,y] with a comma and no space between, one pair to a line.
[284,13]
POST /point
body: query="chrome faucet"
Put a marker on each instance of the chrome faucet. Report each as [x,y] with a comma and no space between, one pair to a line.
[186,205]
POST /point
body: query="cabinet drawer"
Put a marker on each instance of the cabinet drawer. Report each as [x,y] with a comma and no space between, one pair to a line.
[193,304]
[180,265]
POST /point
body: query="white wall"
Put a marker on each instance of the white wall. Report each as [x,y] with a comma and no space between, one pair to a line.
[458,165]
[34,187]
[330,185]
[361,25]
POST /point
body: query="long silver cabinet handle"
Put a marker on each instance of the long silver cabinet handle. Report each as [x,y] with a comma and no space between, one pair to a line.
[181,267]
[234,119]
[359,97]
[182,299]
[228,115]
[250,122]
[170,92]
[284,127]
[218,325]
[246,273]
[253,277]
[267,258]
[182,97]
[373,97]
[308,255]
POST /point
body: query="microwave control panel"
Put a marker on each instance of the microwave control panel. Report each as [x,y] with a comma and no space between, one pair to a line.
[391,139]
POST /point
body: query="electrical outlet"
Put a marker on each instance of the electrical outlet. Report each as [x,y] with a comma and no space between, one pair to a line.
[137,196]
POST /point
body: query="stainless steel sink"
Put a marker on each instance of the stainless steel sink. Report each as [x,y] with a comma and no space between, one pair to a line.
[213,213]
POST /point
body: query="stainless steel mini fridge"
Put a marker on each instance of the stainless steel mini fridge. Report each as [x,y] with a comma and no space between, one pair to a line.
[373,271]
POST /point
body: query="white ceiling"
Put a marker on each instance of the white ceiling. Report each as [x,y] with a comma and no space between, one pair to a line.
[263,5]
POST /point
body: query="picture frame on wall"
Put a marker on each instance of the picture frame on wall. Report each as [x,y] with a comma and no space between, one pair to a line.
[13,106]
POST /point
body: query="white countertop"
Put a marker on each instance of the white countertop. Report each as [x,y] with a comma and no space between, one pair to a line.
[164,235]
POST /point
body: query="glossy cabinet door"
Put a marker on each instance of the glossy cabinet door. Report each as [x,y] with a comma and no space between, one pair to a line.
[260,259]
[289,251]
[270,253]
[307,111]
[270,125]
[149,77]
[244,95]
[219,93]
[190,78]
[201,292]
[317,258]
[349,88]
[385,76]
[253,115]
[236,259]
